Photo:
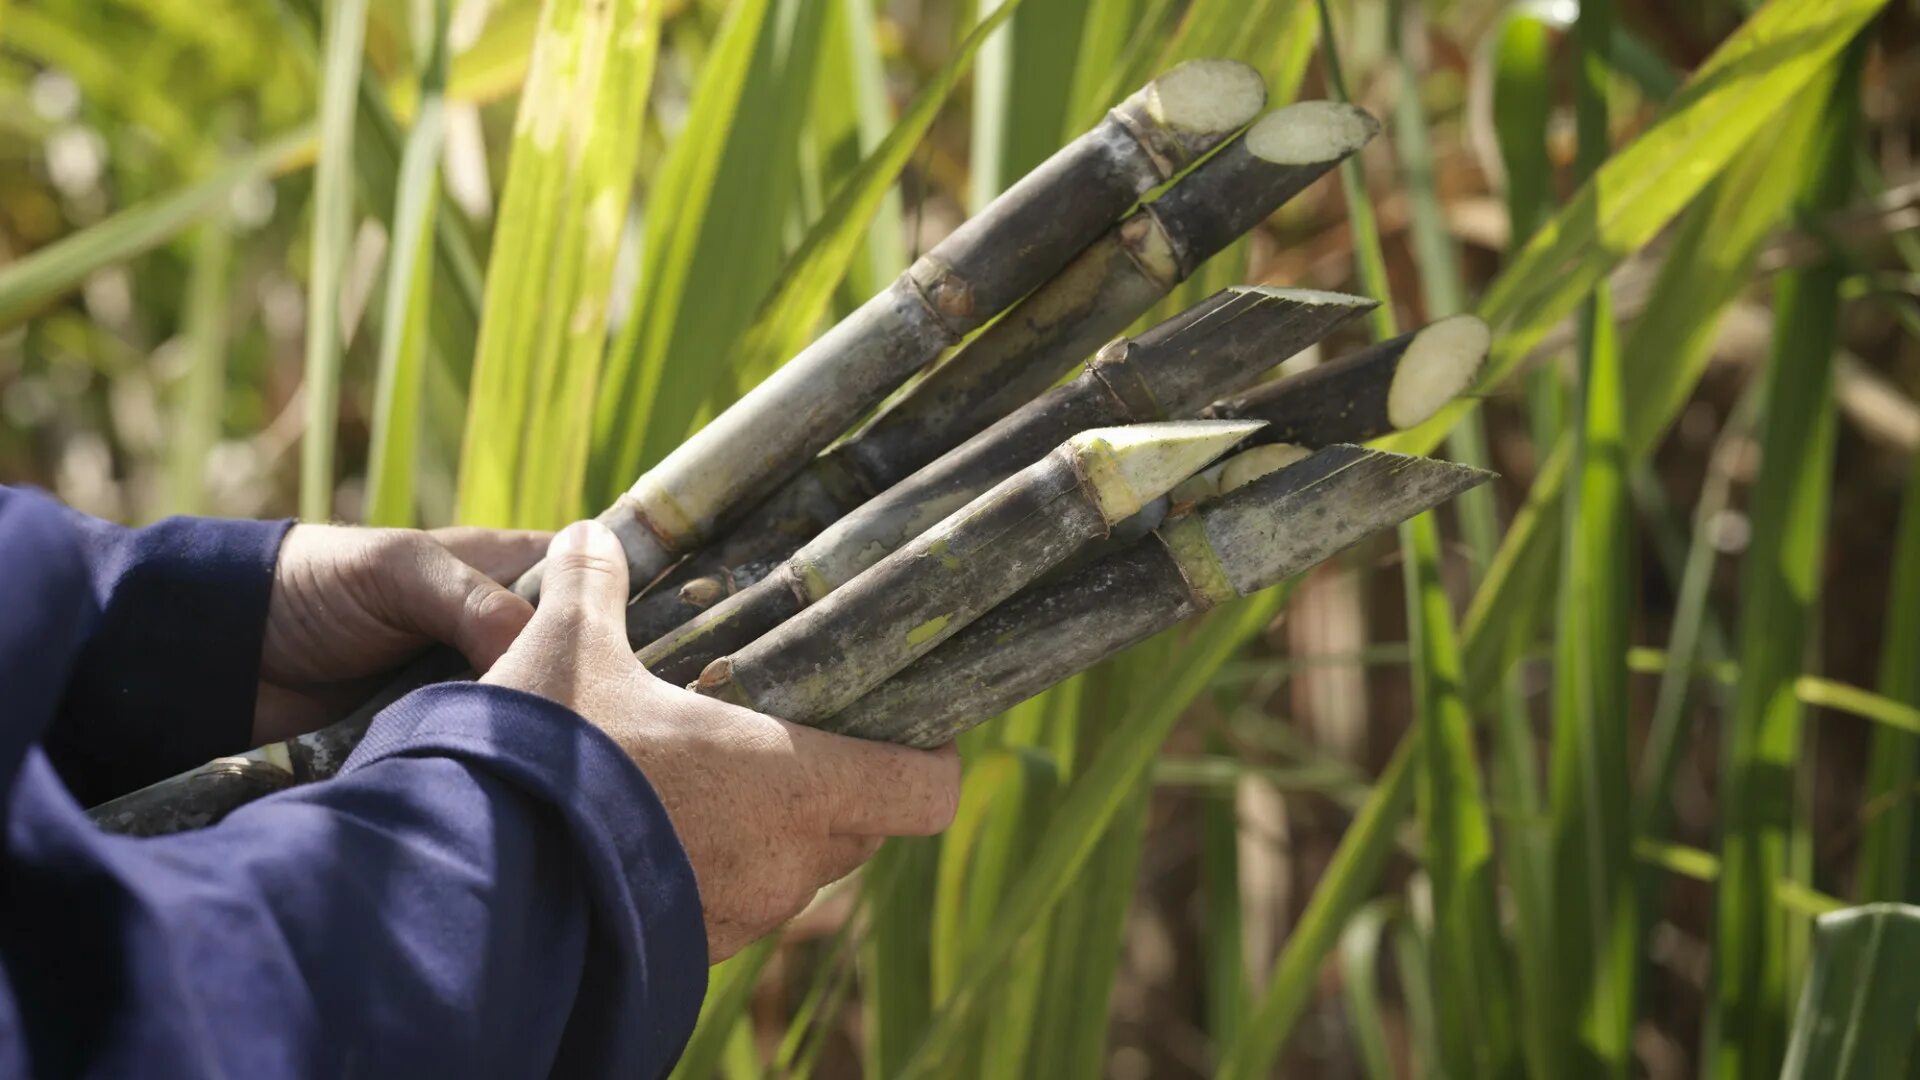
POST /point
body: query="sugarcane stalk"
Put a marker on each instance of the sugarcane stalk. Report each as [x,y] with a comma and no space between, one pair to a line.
[852,639]
[202,796]
[1268,530]
[1387,387]
[1019,241]
[1102,291]
[1221,343]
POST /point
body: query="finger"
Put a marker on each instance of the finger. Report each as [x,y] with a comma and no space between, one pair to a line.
[586,580]
[501,554]
[879,789]
[453,603]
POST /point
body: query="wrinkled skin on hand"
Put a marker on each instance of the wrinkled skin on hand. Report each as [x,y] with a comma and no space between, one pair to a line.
[349,604]
[768,812]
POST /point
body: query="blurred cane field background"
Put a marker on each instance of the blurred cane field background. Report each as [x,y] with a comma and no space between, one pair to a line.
[1572,784]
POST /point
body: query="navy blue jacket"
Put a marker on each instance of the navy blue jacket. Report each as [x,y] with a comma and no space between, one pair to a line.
[490,888]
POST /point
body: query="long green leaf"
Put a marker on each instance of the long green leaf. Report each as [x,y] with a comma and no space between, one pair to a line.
[715,234]
[200,396]
[1886,848]
[1738,92]
[1709,264]
[1593,874]
[1350,877]
[805,284]
[44,276]
[1096,795]
[1752,974]
[345,28]
[1469,965]
[729,991]
[1856,1016]
[575,146]
[394,442]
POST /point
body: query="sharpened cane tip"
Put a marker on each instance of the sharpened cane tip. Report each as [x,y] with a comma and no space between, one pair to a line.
[1132,466]
[1439,362]
[1311,132]
[1207,96]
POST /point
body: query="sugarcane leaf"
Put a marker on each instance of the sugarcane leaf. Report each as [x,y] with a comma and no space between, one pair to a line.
[1708,265]
[1469,962]
[197,409]
[1858,1006]
[1097,794]
[38,279]
[805,284]
[1754,938]
[394,442]
[1349,879]
[715,235]
[1893,762]
[1360,984]
[1738,92]
[344,29]
[1593,877]
[729,991]
[575,148]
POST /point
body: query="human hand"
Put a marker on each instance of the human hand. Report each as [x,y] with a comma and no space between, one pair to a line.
[767,811]
[349,604]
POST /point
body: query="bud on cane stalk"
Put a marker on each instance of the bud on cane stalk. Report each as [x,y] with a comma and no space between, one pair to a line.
[853,638]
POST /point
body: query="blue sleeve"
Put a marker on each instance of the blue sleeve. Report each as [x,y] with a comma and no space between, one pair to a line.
[489,888]
[171,666]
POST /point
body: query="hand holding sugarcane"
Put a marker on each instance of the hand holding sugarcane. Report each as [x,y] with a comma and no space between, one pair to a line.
[767,811]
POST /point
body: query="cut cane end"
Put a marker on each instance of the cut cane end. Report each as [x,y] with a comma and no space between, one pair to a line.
[1206,99]
[1439,363]
[1311,133]
[1246,467]
[1131,466]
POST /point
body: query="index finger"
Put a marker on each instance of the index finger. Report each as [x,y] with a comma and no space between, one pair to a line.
[501,554]
[879,789]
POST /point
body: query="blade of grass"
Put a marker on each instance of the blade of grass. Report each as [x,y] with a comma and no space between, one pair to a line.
[1893,762]
[569,176]
[1740,90]
[729,991]
[1476,1012]
[1593,873]
[200,396]
[345,27]
[805,284]
[1096,795]
[38,279]
[395,438]
[1228,982]
[1856,1012]
[1359,979]
[1709,264]
[1351,875]
[1779,591]
[714,236]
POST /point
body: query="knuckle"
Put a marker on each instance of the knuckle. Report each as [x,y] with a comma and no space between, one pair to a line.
[584,562]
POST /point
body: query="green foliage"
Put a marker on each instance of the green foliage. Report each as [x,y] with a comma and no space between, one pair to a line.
[668,235]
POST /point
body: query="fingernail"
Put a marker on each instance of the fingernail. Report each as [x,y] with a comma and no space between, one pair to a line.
[578,536]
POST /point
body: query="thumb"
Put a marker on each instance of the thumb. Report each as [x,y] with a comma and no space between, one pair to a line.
[585,586]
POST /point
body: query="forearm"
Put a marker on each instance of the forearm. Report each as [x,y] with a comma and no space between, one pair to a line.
[489,888]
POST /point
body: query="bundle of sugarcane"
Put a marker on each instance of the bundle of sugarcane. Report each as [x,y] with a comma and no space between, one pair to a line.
[1075,280]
